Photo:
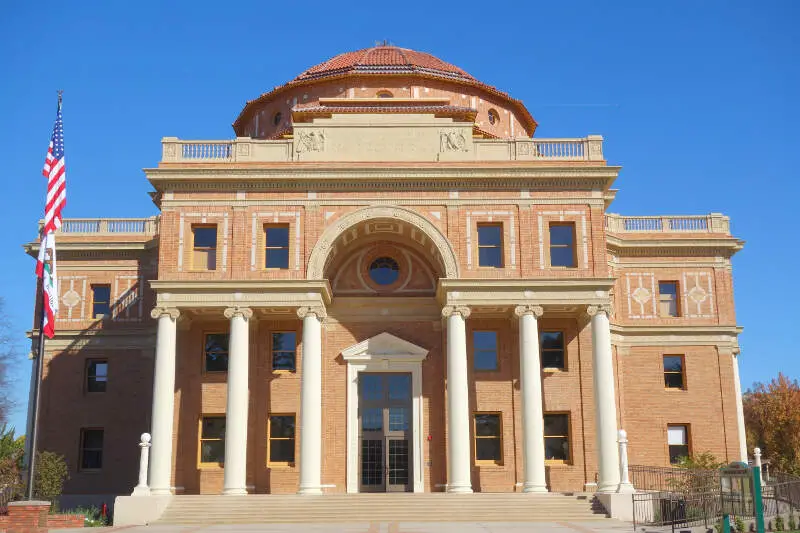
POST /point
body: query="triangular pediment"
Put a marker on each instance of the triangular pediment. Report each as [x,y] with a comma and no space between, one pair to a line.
[385,346]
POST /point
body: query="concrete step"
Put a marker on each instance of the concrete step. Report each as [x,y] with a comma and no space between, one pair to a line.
[429,507]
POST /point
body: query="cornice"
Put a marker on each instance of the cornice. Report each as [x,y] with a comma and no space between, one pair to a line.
[168,290]
[665,246]
[84,248]
[444,200]
[671,335]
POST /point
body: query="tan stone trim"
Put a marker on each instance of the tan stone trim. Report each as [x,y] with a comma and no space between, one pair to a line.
[444,200]
[313,310]
[450,310]
[244,312]
[673,335]
[522,310]
[567,293]
[245,293]
[592,310]
[158,312]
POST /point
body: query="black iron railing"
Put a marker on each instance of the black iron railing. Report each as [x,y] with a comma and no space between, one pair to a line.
[670,479]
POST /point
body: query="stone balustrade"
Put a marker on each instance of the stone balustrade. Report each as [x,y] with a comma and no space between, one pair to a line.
[109,226]
[246,149]
[711,223]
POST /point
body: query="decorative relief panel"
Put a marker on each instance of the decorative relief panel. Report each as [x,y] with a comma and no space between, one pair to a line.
[698,295]
[275,217]
[641,295]
[309,140]
[73,297]
[452,141]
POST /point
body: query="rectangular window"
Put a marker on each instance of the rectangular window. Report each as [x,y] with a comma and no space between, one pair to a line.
[490,245]
[101,301]
[281,440]
[204,248]
[668,298]
[96,375]
[91,449]
[284,350]
[678,442]
[488,438]
[673,372]
[562,245]
[277,246]
[484,350]
[212,440]
[552,347]
[556,437]
[215,353]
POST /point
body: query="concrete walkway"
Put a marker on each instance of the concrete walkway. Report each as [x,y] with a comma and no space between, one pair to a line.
[600,526]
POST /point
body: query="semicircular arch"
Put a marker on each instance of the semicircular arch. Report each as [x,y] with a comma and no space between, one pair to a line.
[322,249]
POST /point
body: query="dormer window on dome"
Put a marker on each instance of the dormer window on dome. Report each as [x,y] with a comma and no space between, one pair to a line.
[384,94]
[494,117]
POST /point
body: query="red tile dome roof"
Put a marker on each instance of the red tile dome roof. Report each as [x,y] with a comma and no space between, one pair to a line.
[385,60]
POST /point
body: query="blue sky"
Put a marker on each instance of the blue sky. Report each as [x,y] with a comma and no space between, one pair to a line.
[698,101]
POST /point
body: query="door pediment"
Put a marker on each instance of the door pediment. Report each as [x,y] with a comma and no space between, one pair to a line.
[385,346]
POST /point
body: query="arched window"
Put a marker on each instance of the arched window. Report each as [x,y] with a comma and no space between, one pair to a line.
[494,117]
[276,118]
[385,94]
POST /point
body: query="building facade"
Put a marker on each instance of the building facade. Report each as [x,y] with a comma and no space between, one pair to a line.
[386,282]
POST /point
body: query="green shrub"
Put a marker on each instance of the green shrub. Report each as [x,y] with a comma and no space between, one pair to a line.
[11,447]
[792,522]
[739,525]
[779,526]
[51,473]
[92,514]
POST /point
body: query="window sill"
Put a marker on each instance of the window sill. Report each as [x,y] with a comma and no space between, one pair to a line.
[556,463]
[91,471]
[211,466]
[487,370]
[272,269]
[490,465]
[281,466]
[279,372]
[554,370]
[675,389]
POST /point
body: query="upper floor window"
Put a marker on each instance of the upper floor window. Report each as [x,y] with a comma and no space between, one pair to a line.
[384,271]
[678,442]
[556,437]
[494,117]
[96,375]
[668,298]
[488,438]
[101,301]
[284,349]
[91,449]
[212,440]
[562,245]
[484,350]
[673,372]
[277,246]
[552,348]
[277,118]
[204,247]
[490,245]
[215,353]
[385,94]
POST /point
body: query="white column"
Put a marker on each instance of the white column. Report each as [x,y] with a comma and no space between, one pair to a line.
[458,440]
[530,370]
[757,462]
[311,401]
[625,484]
[235,474]
[144,457]
[604,400]
[739,410]
[163,401]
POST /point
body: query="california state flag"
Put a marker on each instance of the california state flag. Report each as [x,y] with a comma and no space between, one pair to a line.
[46,270]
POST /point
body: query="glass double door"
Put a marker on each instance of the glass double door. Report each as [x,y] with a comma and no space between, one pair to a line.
[384,421]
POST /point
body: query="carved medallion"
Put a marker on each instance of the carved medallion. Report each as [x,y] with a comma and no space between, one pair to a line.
[310,141]
[452,141]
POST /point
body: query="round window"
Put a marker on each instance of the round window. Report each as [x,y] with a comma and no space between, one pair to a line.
[385,94]
[384,271]
[494,118]
[277,118]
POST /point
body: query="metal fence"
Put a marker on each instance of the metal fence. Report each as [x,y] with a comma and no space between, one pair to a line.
[671,479]
[677,510]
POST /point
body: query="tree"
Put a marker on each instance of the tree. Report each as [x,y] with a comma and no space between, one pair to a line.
[772,420]
[6,355]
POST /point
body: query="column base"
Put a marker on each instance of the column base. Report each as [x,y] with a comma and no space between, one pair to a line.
[309,490]
[607,487]
[625,488]
[533,487]
[154,491]
[141,491]
[234,492]
[459,489]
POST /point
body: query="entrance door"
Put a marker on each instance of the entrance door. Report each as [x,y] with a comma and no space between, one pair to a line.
[384,421]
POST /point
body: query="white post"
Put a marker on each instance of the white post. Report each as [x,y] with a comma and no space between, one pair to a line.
[625,484]
[235,473]
[757,462]
[604,400]
[532,413]
[458,442]
[739,410]
[144,456]
[163,401]
[311,401]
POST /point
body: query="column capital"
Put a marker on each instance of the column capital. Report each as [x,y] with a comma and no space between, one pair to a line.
[449,310]
[316,310]
[522,310]
[158,312]
[244,312]
[592,310]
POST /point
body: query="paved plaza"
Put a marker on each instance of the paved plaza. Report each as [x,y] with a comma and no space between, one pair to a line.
[599,526]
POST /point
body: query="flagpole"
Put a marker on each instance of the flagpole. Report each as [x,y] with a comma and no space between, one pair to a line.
[38,368]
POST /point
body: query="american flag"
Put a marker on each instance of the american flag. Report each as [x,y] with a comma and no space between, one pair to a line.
[55,172]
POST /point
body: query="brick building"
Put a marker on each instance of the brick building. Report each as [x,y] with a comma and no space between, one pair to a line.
[386,282]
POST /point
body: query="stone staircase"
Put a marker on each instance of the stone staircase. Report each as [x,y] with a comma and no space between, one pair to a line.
[403,507]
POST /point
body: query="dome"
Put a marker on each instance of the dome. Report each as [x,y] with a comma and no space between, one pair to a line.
[385,60]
